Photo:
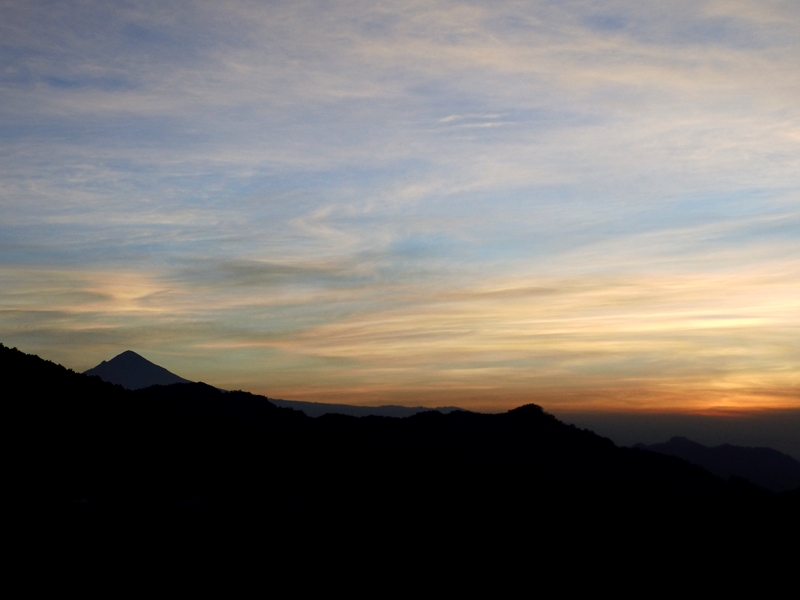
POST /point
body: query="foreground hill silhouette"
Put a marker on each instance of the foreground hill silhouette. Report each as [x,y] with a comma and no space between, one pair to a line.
[82,444]
[134,372]
[766,467]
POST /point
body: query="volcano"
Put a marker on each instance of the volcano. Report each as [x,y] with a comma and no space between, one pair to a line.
[134,372]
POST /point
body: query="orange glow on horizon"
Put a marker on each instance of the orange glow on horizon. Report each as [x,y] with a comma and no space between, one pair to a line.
[628,400]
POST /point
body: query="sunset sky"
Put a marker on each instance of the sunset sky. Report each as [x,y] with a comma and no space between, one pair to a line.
[588,205]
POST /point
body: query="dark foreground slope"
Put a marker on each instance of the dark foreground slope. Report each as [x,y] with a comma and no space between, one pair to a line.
[81,444]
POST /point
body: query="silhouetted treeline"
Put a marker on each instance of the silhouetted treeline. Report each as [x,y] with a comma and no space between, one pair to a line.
[81,444]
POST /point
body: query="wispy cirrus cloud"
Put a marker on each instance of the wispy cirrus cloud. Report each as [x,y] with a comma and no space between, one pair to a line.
[493,199]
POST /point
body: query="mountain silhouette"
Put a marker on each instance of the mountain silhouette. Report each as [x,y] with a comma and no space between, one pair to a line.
[90,456]
[766,467]
[317,409]
[134,372]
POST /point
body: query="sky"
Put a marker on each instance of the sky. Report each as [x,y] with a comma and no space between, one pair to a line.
[594,206]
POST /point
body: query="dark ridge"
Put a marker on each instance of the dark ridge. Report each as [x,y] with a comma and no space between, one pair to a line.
[91,452]
[134,372]
[765,467]
[317,409]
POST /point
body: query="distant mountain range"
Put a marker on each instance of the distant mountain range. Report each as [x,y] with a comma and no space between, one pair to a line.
[134,372]
[147,457]
[766,467]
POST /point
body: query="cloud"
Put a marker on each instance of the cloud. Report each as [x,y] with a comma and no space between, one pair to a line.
[487,197]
